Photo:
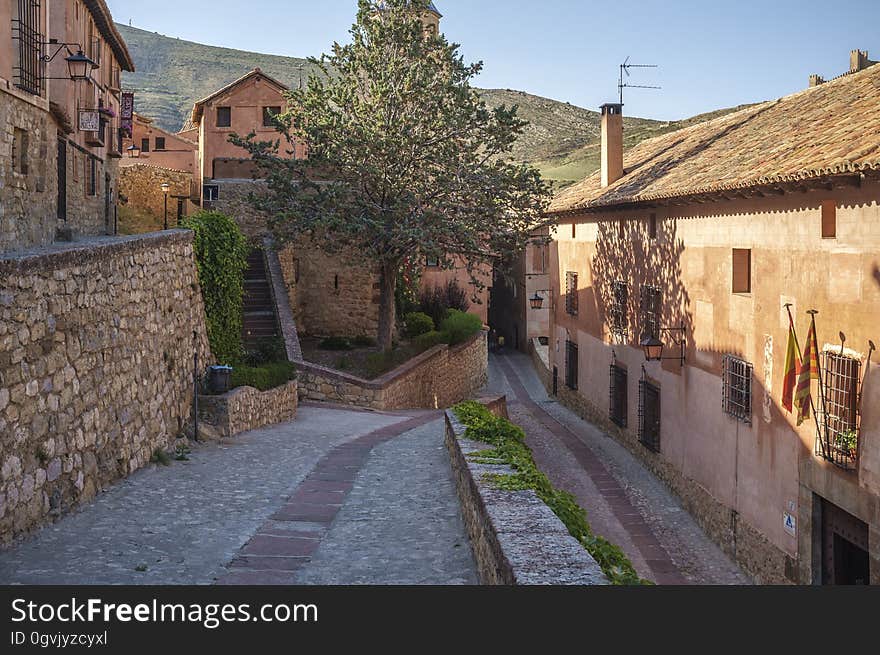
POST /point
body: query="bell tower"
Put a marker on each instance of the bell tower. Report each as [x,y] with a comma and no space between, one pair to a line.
[431,19]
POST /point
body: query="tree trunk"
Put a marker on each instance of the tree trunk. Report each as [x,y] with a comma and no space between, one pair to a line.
[387,286]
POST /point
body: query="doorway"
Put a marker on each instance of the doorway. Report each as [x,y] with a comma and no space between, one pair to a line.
[845,559]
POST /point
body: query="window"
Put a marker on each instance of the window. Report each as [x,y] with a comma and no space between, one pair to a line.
[618,404]
[571,365]
[160,143]
[652,226]
[92,177]
[224,116]
[617,312]
[210,192]
[651,297]
[20,151]
[539,257]
[571,293]
[649,415]
[27,67]
[574,230]
[840,410]
[145,145]
[736,380]
[268,113]
[829,219]
[432,262]
[742,271]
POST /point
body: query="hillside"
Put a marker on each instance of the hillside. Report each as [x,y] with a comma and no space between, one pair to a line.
[562,140]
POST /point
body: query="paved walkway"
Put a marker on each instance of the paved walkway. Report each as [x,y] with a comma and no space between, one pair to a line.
[233,512]
[625,502]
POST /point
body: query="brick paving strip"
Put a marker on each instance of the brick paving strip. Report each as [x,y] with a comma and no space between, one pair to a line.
[285,543]
[642,536]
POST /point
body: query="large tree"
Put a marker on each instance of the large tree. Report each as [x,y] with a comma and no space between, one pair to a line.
[404,158]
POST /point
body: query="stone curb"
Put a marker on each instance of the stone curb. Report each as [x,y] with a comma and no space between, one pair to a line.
[516,538]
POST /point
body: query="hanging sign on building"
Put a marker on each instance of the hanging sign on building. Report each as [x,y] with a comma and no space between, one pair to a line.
[126,111]
[89,120]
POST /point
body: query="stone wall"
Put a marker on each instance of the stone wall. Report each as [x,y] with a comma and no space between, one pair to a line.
[88,211]
[141,187]
[439,377]
[516,538]
[96,367]
[28,197]
[246,408]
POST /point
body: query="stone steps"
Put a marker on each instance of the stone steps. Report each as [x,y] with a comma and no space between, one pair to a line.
[260,321]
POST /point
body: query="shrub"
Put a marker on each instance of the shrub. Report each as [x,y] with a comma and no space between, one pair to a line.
[428,340]
[335,343]
[221,257]
[263,377]
[438,300]
[459,327]
[508,441]
[363,341]
[265,351]
[380,363]
[417,323]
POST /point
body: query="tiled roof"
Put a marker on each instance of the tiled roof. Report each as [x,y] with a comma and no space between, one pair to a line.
[199,106]
[830,129]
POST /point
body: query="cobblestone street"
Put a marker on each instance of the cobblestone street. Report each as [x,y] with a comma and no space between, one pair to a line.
[625,502]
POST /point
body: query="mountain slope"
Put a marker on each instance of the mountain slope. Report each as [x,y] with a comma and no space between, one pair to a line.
[562,140]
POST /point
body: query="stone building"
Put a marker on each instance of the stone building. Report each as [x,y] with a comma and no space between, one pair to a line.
[59,120]
[701,239]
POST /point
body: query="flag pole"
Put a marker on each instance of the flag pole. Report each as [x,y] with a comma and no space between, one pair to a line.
[823,441]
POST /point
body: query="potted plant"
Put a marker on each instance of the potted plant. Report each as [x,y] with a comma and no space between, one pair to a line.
[847,442]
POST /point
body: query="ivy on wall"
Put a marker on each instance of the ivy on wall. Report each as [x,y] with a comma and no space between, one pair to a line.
[221,256]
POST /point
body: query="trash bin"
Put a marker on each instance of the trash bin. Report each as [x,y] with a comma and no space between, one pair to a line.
[218,378]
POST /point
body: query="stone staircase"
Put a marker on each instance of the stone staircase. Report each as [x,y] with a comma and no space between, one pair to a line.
[260,321]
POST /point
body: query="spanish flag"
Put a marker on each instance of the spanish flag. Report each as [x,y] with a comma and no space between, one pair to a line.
[809,371]
[792,368]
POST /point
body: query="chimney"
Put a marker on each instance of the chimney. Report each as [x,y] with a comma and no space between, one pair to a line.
[612,143]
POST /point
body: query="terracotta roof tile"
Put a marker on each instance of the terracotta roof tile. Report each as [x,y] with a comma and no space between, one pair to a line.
[830,129]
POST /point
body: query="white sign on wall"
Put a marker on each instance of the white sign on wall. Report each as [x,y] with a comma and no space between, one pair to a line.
[789,522]
[89,120]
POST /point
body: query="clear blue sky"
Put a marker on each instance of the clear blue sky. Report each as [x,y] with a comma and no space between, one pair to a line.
[711,54]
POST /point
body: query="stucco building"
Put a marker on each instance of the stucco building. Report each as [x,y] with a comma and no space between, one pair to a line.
[60,141]
[701,238]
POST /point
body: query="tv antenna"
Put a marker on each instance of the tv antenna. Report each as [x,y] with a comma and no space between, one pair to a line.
[624,69]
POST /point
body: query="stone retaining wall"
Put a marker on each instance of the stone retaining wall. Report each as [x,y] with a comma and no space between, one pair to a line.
[246,408]
[438,378]
[516,538]
[96,367]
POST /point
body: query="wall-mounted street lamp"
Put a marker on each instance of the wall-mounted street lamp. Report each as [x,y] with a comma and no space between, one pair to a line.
[79,65]
[537,301]
[165,189]
[654,347]
[133,151]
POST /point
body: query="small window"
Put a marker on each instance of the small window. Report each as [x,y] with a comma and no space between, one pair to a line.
[224,116]
[571,365]
[20,151]
[432,262]
[736,378]
[268,114]
[571,293]
[617,312]
[210,192]
[649,415]
[651,300]
[829,219]
[145,145]
[160,143]
[742,270]
[539,257]
[618,404]
[92,177]
[652,226]
[574,230]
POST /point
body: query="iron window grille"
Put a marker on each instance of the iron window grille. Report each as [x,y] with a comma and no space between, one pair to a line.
[736,377]
[649,415]
[571,365]
[92,177]
[571,293]
[28,67]
[619,301]
[839,414]
[651,311]
[618,395]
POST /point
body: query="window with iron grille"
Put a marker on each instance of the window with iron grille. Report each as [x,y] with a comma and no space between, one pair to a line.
[618,405]
[617,312]
[92,177]
[651,311]
[649,415]
[27,34]
[839,424]
[736,378]
[571,293]
[160,143]
[571,365]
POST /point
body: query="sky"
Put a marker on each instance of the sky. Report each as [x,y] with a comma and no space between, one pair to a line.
[710,54]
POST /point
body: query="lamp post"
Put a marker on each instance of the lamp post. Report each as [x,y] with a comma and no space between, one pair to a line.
[537,301]
[133,151]
[165,188]
[653,347]
[79,65]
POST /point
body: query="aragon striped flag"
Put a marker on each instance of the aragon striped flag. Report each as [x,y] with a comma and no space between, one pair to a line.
[792,368]
[809,371]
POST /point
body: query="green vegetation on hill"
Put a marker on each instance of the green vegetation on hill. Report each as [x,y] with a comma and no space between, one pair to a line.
[562,140]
